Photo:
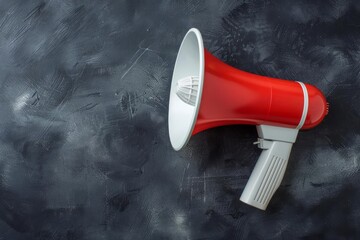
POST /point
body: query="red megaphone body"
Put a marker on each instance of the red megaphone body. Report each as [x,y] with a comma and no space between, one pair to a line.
[232,96]
[207,93]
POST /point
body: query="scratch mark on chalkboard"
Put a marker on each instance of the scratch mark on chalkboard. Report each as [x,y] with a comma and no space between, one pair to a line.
[86,107]
[37,98]
[135,62]
[36,11]
[183,176]
[204,182]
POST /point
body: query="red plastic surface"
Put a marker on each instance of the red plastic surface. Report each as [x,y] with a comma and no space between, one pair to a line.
[231,96]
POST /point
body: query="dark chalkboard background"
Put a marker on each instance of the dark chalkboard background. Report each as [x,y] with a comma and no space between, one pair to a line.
[84,146]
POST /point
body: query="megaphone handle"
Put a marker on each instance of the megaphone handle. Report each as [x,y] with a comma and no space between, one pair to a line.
[269,170]
[267,175]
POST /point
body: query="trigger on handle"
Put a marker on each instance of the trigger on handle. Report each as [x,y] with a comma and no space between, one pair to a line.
[263,144]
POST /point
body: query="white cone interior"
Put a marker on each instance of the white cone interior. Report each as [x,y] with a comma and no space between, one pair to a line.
[189,63]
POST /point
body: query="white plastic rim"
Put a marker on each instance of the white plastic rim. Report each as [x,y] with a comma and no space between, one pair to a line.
[306,106]
[189,62]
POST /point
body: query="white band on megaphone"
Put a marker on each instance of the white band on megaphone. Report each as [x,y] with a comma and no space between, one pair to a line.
[306,106]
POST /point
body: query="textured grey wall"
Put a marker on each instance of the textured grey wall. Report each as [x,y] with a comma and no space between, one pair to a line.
[84,149]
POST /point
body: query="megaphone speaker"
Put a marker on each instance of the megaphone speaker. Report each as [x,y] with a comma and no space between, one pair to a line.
[207,93]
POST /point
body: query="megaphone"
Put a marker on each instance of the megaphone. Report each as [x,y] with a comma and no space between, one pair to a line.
[207,93]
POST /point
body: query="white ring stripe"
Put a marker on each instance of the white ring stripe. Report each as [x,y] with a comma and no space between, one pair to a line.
[306,106]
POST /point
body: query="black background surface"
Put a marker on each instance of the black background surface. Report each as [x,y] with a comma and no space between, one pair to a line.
[84,146]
